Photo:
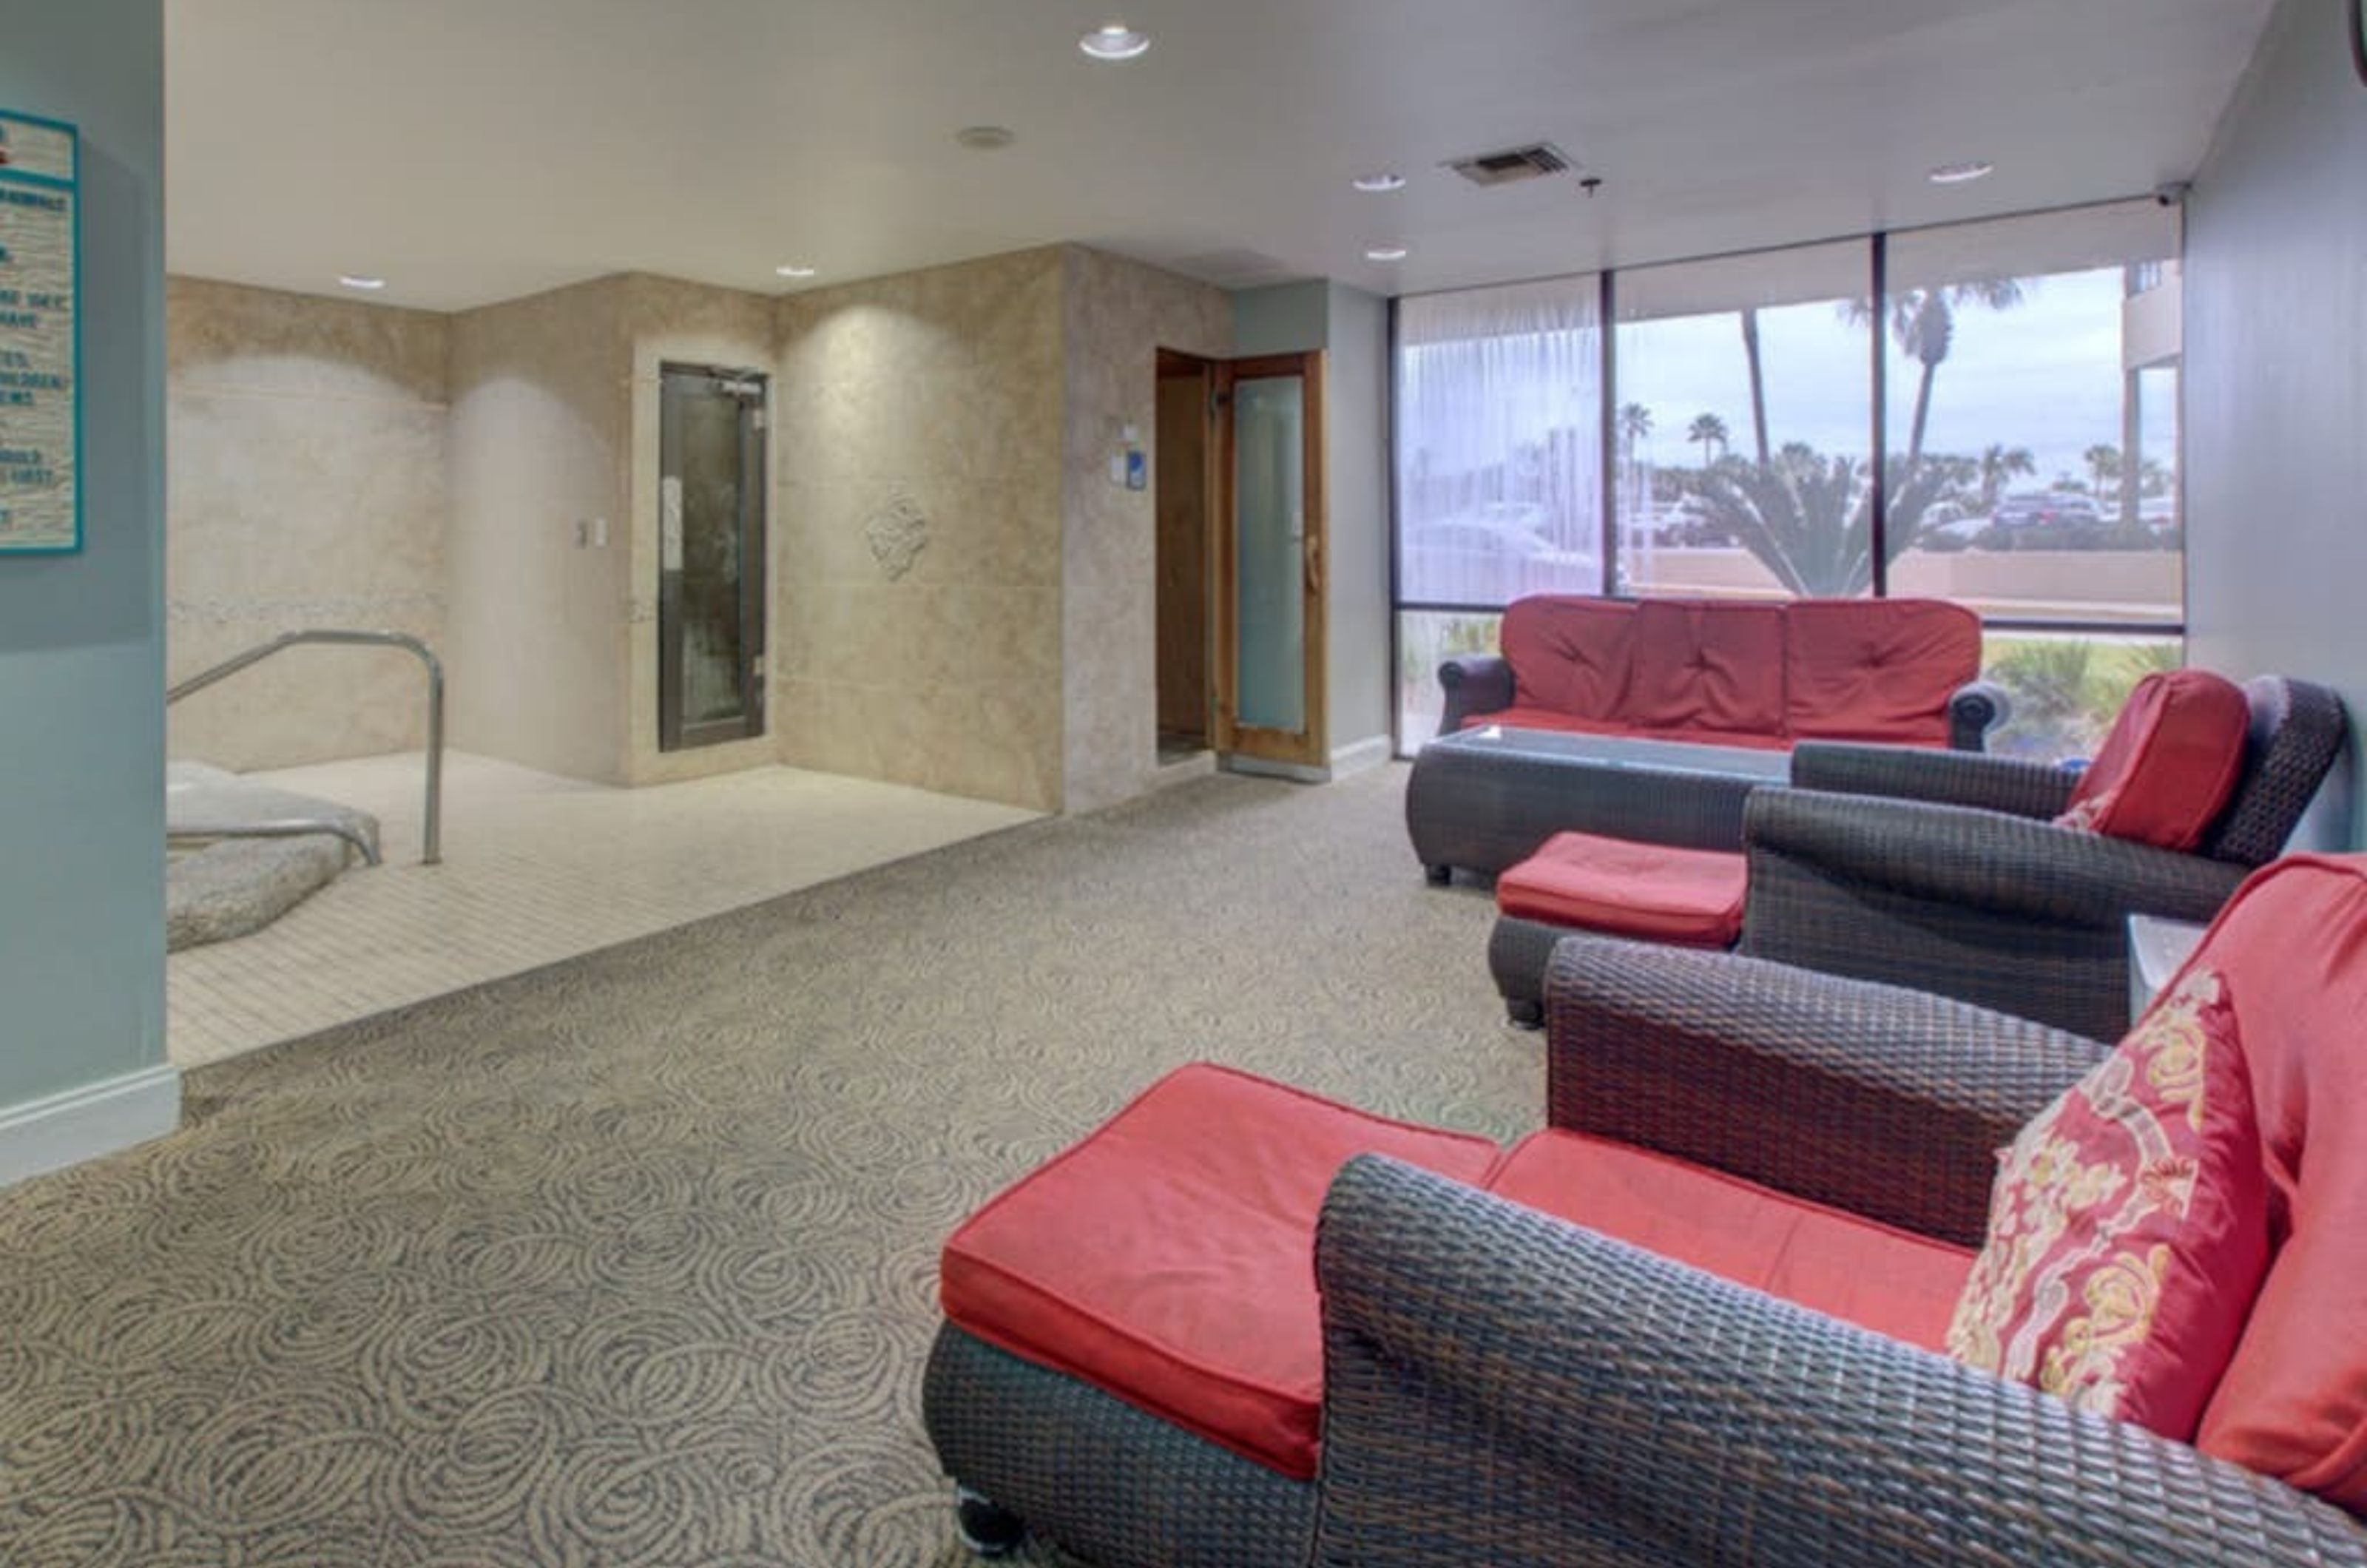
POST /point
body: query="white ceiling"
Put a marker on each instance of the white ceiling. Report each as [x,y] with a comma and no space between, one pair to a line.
[477,150]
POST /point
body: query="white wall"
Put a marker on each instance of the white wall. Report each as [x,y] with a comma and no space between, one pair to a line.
[82,767]
[2276,374]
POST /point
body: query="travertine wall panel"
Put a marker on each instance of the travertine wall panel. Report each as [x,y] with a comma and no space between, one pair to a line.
[306,488]
[928,405]
[540,419]
[1117,315]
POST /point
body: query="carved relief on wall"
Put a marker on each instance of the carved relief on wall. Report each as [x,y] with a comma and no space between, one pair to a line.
[898,532]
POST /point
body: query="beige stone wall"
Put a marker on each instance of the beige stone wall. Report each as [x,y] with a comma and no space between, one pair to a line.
[939,394]
[306,488]
[1117,315]
[667,321]
[537,622]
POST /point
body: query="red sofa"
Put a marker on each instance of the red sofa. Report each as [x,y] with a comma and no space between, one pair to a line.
[1732,672]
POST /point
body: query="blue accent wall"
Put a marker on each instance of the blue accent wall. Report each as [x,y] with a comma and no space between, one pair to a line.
[82,923]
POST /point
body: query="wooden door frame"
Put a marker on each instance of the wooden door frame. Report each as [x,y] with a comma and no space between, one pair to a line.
[1175,365]
[1311,748]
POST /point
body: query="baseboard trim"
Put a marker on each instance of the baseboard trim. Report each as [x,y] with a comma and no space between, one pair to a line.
[1358,756]
[83,1123]
[1295,773]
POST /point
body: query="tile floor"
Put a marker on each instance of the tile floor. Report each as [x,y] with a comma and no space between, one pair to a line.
[536,868]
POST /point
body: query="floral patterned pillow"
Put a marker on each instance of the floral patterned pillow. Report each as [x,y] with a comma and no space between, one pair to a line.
[2129,1227]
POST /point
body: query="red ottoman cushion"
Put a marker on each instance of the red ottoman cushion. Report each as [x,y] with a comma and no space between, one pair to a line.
[1892,1281]
[1169,1258]
[1642,890]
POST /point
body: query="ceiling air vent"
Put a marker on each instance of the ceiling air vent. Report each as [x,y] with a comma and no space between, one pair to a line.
[1513,163]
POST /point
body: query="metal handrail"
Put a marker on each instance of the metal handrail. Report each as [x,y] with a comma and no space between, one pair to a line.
[281,828]
[434,830]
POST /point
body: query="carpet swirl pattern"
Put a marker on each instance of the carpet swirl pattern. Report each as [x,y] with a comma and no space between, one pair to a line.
[632,1260]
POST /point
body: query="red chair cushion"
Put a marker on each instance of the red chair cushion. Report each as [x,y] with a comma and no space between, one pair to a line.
[1701,666]
[2129,1229]
[2294,1401]
[1569,653]
[1641,890]
[1169,1258]
[2168,765]
[1877,669]
[1889,1280]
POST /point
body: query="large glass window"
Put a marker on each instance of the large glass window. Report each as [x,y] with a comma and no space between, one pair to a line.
[2033,416]
[2028,409]
[1499,441]
[1745,413]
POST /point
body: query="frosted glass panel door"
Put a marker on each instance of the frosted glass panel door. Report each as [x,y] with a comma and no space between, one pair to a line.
[1270,485]
[1272,531]
[710,558]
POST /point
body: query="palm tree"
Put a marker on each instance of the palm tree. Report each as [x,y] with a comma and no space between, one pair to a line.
[2103,462]
[1634,424]
[1758,382]
[1999,465]
[1705,432]
[1923,325]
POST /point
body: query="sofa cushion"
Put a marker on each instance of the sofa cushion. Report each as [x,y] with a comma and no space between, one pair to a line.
[2294,1401]
[2128,1230]
[1169,1258]
[1652,891]
[1568,654]
[1705,666]
[2169,763]
[1877,668]
[1889,1280]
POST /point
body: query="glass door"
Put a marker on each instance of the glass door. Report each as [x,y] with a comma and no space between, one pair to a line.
[711,557]
[1271,524]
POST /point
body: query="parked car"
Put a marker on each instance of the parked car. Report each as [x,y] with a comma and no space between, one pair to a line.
[2039,509]
[1489,555]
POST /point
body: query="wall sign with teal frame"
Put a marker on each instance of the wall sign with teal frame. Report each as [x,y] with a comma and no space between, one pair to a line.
[40,336]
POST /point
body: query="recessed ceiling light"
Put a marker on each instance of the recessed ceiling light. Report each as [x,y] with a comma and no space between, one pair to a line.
[1386,254]
[1961,174]
[985,138]
[366,284]
[1114,41]
[793,270]
[1381,182]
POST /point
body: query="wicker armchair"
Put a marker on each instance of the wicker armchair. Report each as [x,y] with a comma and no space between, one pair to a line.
[1942,870]
[1501,1388]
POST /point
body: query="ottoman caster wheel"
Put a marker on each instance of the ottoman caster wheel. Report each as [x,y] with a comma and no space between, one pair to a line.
[1526,1014]
[1439,876]
[987,1530]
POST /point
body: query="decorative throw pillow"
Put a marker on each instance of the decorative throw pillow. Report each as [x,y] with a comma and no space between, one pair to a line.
[2129,1227]
[2169,764]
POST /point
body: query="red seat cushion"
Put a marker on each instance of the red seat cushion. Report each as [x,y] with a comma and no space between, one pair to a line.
[1877,668]
[1707,666]
[2292,944]
[1642,890]
[1169,1258]
[2168,765]
[2129,1229]
[1889,1280]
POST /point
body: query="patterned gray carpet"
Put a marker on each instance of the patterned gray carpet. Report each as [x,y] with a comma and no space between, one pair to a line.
[632,1260]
